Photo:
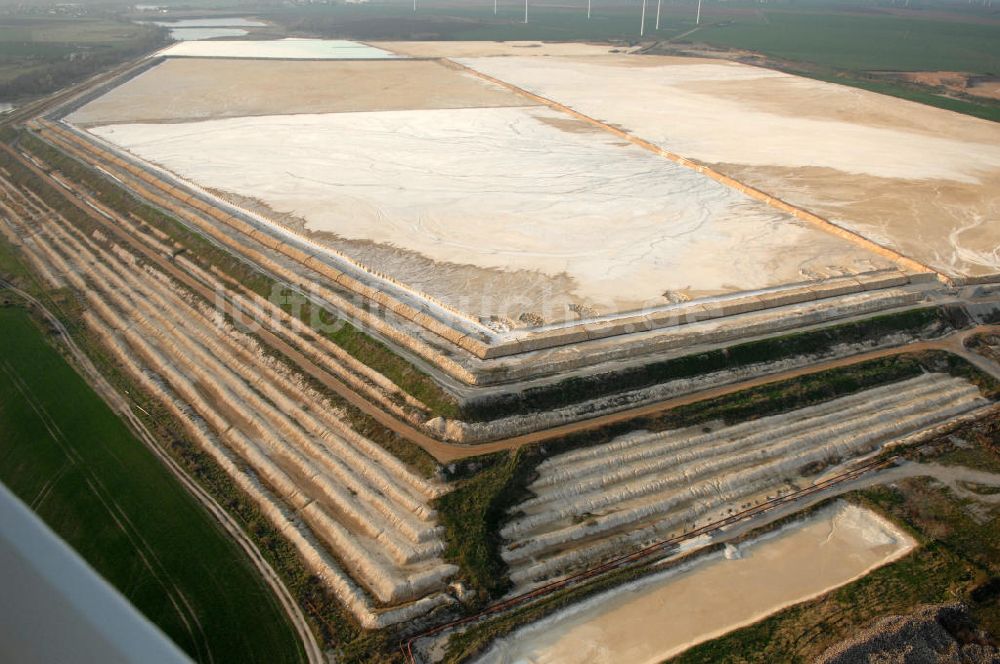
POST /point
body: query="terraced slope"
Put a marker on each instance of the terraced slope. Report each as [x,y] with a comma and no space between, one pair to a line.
[598,501]
[358,516]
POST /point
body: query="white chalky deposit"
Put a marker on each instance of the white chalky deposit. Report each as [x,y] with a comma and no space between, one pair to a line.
[588,218]
[288,49]
[919,179]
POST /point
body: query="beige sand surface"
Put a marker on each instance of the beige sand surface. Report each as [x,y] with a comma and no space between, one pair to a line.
[220,88]
[909,215]
[509,190]
[990,89]
[475,49]
[798,133]
[656,618]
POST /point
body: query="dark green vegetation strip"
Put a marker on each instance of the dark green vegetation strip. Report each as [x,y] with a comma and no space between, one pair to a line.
[361,346]
[487,487]
[69,457]
[844,48]
[862,42]
[959,559]
[931,320]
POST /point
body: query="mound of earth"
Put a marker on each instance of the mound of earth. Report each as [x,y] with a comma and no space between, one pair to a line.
[943,633]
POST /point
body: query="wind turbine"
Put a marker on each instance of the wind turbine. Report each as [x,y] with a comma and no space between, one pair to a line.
[642,22]
[697,20]
[588,9]
[526,12]
[494,7]
[658,3]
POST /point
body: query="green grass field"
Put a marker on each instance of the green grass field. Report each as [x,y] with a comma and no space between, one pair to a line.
[73,461]
[850,48]
[861,42]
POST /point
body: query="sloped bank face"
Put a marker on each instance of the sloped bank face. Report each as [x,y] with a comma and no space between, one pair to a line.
[501,208]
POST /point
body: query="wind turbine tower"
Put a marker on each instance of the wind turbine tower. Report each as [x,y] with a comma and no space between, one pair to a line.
[588,9]
[658,3]
[526,11]
[642,22]
[697,20]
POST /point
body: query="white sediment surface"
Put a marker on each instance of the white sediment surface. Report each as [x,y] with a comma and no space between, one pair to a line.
[665,614]
[503,189]
[194,34]
[289,49]
[916,178]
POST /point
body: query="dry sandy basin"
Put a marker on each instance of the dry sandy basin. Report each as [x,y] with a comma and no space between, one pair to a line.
[922,180]
[201,89]
[288,49]
[658,617]
[500,210]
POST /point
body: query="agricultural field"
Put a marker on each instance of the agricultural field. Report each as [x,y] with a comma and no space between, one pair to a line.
[73,461]
[859,42]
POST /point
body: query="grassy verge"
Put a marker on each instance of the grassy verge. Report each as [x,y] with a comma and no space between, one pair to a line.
[487,487]
[930,320]
[359,345]
[68,456]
